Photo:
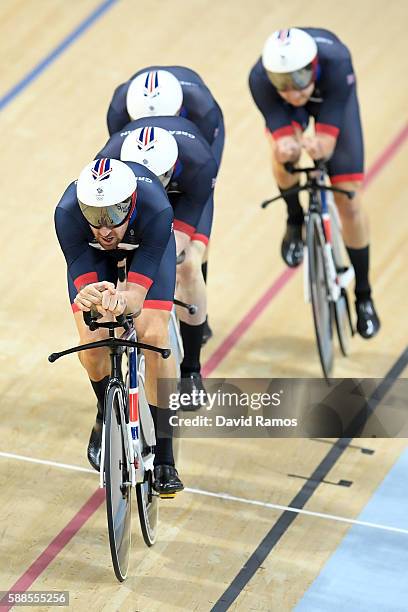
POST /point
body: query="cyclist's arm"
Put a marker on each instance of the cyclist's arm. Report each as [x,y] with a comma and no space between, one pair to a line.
[77,252]
[339,81]
[319,146]
[329,119]
[143,269]
[271,105]
[111,148]
[208,124]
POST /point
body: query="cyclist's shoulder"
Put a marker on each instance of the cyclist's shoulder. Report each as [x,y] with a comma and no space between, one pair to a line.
[194,150]
[187,76]
[258,76]
[180,72]
[119,94]
[69,220]
[184,131]
[68,201]
[258,69]
[151,196]
[329,45]
[261,88]
[112,146]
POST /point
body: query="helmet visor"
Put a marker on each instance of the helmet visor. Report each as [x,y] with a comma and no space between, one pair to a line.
[107,216]
[299,79]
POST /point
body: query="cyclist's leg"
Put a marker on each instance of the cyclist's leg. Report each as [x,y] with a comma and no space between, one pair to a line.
[190,285]
[346,169]
[95,361]
[191,289]
[207,331]
[217,149]
[292,243]
[152,324]
[153,328]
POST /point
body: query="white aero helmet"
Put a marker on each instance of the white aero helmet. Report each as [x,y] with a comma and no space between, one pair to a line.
[106,192]
[153,93]
[154,148]
[290,59]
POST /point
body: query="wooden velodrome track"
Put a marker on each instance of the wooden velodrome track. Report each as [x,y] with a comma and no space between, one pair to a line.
[49,131]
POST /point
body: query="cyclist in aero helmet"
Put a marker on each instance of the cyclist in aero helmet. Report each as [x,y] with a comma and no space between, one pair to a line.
[117,214]
[290,66]
[168,90]
[304,73]
[156,90]
[111,203]
[175,150]
[154,93]
[153,147]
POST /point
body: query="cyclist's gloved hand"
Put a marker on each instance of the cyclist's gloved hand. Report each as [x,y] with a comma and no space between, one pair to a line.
[113,301]
[313,146]
[287,149]
[90,296]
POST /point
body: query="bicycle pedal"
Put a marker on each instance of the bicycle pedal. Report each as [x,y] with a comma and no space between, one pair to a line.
[167,495]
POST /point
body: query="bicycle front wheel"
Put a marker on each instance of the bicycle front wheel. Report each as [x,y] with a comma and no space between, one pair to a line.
[343,322]
[321,306]
[118,487]
[342,314]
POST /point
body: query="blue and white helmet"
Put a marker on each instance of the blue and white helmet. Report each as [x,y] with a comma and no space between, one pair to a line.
[154,93]
[154,148]
[290,59]
[106,192]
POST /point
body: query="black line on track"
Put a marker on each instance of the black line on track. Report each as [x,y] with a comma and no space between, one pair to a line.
[363,449]
[286,519]
[340,483]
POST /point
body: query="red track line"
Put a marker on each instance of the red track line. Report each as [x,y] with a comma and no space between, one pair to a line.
[239,330]
[58,543]
[96,499]
[233,337]
[388,153]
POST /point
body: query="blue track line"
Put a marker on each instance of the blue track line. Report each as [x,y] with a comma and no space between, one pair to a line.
[51,57]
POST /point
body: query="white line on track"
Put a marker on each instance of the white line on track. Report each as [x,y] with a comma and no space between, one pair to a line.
[64,466]
[226,496]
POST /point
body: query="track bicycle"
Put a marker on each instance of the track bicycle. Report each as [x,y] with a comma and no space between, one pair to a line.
[327,272]
[128,441]
[128,436]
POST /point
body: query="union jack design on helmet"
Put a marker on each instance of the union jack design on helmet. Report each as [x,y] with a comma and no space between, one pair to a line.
[101,169]
[146,138]
[283,36]
[151,83]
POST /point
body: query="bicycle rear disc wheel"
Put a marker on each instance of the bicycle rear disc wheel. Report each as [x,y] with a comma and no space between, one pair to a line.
[343,323]
[321,306]
[148,505]
[118,488]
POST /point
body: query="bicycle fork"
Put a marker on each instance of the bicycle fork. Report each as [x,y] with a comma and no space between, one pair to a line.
[133,427]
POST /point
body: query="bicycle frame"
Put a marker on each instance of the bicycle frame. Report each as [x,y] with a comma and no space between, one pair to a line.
[322,203]
[138,463]
[323,228]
